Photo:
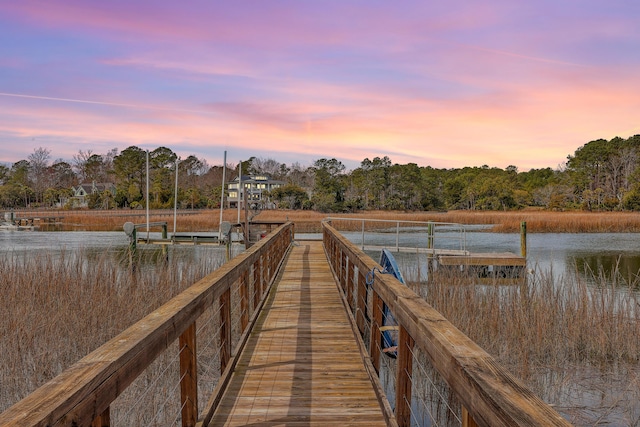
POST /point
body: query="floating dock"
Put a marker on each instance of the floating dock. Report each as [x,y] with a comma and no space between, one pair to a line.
[493,267]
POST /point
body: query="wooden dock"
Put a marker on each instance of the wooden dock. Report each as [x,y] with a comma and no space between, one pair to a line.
[301,364]
[493,267]
[299,359]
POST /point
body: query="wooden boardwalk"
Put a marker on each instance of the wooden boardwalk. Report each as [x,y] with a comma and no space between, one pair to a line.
[301,364]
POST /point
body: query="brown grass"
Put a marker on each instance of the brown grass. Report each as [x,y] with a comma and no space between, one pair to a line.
[56,309]
[309,221]
[558,335]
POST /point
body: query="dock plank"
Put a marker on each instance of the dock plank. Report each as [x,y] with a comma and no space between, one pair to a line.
[301,364]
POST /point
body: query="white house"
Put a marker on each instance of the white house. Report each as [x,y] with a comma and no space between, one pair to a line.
[82,191]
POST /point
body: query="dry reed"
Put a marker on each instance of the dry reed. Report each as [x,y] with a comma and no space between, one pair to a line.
[309,221]
[558,335]
[59,307]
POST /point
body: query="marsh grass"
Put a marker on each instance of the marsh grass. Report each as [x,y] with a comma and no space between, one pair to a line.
[538,221]
[567,339]
[58,307]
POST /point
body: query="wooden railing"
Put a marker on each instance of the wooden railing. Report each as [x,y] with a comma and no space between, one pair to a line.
[489,395]
[82,394]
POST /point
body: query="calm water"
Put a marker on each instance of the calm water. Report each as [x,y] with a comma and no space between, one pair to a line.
[560,253]
[557,251]
[93,242]
[579,252]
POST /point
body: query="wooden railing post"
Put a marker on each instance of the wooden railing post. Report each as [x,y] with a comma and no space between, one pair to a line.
[404,373]
[351,280]
[225,329]
[361,301]
[467,420]
[102,420]
[244,300]
[343,271]
[374,339]
[188,376]
[257,294]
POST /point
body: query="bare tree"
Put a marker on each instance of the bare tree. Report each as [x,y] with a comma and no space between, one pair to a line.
[80,164]
[262,166]
[38,164]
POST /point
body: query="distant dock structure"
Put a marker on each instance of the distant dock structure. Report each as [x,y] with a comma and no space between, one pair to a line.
[29,223]
[444,246]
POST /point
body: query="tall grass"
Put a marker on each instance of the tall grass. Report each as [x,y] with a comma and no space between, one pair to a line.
[58,307]
[309,221]
[567,339]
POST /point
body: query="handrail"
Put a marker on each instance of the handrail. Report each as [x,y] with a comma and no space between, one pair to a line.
[426,242]
[490,395]
[82,394]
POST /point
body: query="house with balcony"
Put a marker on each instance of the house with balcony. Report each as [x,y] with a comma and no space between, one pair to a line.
[256,188]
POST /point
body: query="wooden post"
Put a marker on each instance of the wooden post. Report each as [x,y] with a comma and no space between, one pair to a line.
[351,283]
[467,420]
[225,329]
[361,301]
[262,274]
[256,284]
[244,300]
[523,239]
[270,262]
[133,246]
[165,248]
[404,373]
[374,339]
[188,376]
[431,252]
[102,420]
[343,271]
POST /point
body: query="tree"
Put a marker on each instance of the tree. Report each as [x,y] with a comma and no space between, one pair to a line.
[162,170]
[432,188]
[92,167]
[130,172]
[300,176]
[269,167]
[19,191]
[5,174]
[289,196]
[61,175]
[38,164]
[372,181]
[406,186]
[328,185]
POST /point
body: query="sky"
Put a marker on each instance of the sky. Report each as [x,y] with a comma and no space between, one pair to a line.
[445,84]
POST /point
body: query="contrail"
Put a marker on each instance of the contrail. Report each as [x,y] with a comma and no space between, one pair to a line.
[513,54]
[112,104]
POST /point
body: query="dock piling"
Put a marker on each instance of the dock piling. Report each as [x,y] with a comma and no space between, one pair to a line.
[523,239]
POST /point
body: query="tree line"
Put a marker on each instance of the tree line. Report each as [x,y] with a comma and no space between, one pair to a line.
[600,175]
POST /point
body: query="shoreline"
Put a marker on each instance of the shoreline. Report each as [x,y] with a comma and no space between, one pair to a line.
[309,221]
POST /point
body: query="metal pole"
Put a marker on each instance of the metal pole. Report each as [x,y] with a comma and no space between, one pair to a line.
[175,202]
[224,172]
[147,195]
[239,187]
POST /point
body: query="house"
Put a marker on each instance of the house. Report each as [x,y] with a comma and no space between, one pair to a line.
[256,188]
[82,191]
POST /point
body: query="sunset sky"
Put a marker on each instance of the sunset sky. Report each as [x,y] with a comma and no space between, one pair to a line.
[438,83]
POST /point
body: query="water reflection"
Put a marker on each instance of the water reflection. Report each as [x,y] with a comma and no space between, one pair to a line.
[97,244]
[607,268]
[589,255]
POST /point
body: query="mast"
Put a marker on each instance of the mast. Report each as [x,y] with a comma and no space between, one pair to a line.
[224,171]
